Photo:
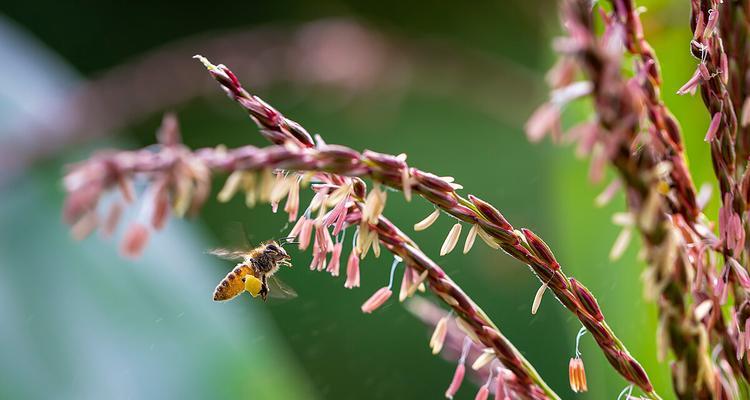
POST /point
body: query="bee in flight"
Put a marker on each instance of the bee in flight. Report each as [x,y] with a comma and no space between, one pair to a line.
[255,272]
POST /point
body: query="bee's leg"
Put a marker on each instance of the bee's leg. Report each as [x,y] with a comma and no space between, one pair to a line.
[264,288]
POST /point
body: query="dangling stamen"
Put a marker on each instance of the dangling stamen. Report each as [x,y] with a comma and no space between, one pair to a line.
[405,283]
[501,392]
[438,336]
[451,239]
[458,376]
[576,371]
[470,238]
[487,356]
[538,298]
[383,294]
[580,334]
[352,265]
[429,220]
[484,391]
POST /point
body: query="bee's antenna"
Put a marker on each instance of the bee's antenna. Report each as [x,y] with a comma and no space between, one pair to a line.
[287,240]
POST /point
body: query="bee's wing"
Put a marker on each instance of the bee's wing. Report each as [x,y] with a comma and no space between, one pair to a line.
[235,235]
[228,254]
[279,290]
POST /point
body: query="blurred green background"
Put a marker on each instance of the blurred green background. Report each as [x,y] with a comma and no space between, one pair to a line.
[449,84]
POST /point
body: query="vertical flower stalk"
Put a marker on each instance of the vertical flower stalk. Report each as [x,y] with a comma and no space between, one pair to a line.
[272,168]
[658,188]
[720,46]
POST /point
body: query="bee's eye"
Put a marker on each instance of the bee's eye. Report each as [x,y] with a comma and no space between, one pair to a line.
[273,248]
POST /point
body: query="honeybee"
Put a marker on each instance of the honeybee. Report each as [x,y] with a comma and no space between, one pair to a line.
[259,263]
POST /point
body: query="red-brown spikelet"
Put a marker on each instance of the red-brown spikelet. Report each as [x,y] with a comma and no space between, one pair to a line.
[588,301]
[541,248]
[490,212]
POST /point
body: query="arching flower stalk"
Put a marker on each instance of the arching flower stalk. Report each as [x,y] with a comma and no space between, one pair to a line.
[276,169]
[492,227]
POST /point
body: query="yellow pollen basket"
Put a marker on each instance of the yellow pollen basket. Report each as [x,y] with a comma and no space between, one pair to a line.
[252,285]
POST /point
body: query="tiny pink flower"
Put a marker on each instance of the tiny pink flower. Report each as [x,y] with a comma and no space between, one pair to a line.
[545,119]
[597,165]
[720,290]
[705,75]
[713,127]
[305,233]
[334,263]
[126,189]
[406,283]
[586,135]
[731,231]
[483,393]
[609,192]
[501,392]
[376,300]
[113,217]
[318,261]
[337,216]
[713,19]
[438,336]
[352,270]
[134,241]
[741,344]
[691,84]
[160,210]
[320,249]
[700,25]
[292,201]
[85,225]
[745,116]
[458,378]
[297,227]
[739,270]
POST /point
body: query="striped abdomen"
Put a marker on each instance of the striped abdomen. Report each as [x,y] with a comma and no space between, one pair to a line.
[232,284]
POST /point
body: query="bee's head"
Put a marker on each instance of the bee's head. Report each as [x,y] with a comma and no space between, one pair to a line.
[277,252]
